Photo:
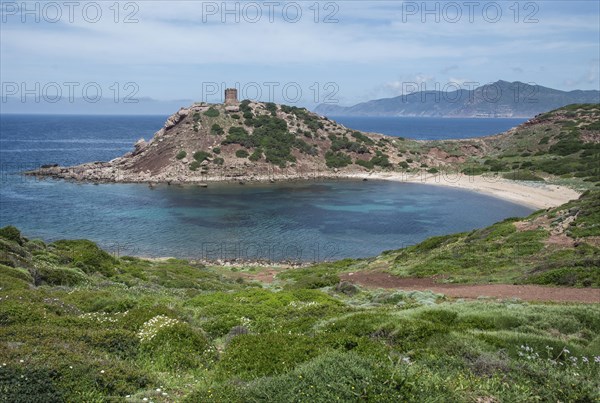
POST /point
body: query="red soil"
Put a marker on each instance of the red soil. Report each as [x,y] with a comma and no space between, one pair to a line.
[500,291]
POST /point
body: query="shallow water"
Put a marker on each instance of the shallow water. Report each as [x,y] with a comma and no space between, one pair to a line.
[299,221]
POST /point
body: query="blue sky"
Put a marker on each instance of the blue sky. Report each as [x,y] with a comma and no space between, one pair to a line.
[352,51]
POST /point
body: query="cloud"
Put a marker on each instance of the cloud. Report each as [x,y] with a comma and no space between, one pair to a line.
[448,69]
[588,78]
[369,51]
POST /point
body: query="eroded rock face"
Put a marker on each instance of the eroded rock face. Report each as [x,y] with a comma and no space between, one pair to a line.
[176,118]
[140,145]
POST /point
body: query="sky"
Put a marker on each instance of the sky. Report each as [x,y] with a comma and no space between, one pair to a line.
[152,55]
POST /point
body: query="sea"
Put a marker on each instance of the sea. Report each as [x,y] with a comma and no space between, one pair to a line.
[430,128]
[308,221]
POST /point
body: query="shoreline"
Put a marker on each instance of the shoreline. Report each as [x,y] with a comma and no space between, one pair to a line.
[537,195]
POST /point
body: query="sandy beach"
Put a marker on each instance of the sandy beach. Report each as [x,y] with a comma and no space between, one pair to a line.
[534,194]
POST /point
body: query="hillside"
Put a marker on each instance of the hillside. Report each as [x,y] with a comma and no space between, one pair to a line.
[499,99]
[77,324]
[265,141]
[559,246]
[259,142]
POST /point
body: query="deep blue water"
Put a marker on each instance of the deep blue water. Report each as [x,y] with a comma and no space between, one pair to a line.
[430,128]
[307,221]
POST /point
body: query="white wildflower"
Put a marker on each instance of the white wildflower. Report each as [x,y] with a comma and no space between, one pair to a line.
[153,326]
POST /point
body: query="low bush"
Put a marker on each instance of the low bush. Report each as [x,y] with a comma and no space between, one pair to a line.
[86,256]
[194,166]
[212,112]
[241,153]
[523,176]
[11,233]
[252,356]
[216,129]
[171,345]
[337,159]
[200,156]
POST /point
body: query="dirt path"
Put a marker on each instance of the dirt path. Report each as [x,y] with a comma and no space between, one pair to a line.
[503,291]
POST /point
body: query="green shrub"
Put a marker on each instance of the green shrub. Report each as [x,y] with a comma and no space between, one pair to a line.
[171,345]
[85,255]
[211,112]
[120,343]
[256,155]
[271,107]
[201,156]
[217,150]
[60,276]
[21,312]
[218,161]
[194,166]
[440,316]
[381,160]
[337,159]
[25,385]
[403,333]
[362,138]
[333,376]
[16,273]
[567,276]
[474,170]
[11,233]
[216,130]
[241,153]
[366,164]
[181,155]
[317,280]
[523,176]
[252,356]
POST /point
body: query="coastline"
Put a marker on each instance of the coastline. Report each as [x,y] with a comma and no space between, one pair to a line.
[536,195]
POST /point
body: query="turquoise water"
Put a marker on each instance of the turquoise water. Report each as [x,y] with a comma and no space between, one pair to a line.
[297,221]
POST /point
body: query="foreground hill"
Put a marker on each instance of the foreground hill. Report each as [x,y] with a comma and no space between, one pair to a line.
[80,325]
[499,99]
[265,142]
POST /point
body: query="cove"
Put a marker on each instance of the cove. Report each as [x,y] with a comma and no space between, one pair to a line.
[304,221]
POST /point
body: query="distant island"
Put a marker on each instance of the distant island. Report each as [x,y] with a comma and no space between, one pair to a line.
[501,99]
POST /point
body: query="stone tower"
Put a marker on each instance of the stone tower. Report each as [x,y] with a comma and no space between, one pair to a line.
[231,96]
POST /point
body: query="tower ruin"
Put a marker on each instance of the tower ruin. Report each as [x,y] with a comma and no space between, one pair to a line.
[231,96]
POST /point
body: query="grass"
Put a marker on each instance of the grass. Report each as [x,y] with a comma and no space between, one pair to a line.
[80,325]
[306,345]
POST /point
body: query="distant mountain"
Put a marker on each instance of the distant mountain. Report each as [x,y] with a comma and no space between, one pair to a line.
[499,99]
